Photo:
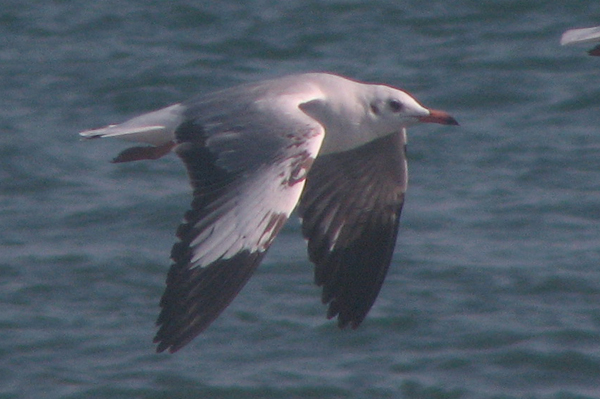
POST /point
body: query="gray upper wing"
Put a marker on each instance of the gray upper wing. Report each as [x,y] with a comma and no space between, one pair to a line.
[247,162]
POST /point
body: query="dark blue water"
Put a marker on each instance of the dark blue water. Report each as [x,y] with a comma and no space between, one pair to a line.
[494,291]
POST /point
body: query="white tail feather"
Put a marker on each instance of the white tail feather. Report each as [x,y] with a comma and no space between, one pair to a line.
[154,128]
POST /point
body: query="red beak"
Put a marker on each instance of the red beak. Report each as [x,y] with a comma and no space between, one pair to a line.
[440,117]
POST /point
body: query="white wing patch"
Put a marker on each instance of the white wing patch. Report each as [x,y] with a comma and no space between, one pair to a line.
[248,218]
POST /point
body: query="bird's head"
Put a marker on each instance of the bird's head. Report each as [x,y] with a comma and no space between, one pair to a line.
[392,109]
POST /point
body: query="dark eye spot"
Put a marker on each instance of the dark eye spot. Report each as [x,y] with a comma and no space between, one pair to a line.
[395,105]
[374,109]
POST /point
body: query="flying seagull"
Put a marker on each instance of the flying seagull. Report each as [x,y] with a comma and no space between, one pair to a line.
[583,35]
[332,146]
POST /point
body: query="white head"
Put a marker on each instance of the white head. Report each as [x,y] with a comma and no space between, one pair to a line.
[390,110]
[355,113]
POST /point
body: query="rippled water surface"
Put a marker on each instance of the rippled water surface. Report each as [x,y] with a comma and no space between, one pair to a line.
[494,291]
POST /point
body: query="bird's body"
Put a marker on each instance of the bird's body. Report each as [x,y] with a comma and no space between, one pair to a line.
[332,146]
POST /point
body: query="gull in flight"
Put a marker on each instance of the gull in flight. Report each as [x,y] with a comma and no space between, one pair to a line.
[330,146]
[583,35]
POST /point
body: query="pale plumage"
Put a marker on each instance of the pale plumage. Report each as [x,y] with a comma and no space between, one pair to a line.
[581,36]
[332,146]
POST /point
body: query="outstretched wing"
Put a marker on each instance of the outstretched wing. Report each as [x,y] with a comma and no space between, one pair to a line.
[350,211]
[585,35]
[582,35]
[247,161]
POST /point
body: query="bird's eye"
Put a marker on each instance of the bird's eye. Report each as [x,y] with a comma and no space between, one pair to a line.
[395,105]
